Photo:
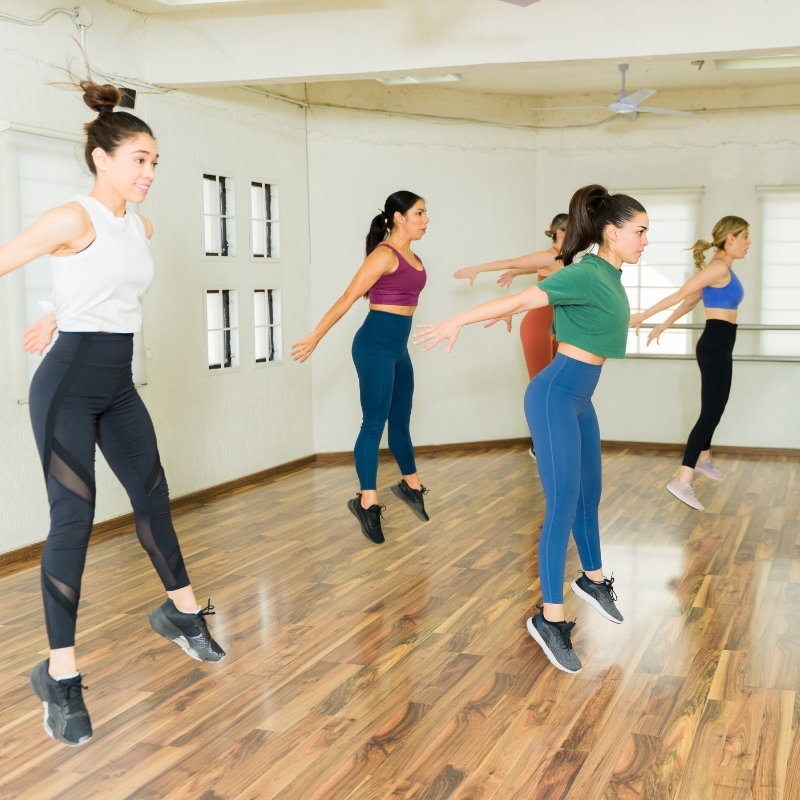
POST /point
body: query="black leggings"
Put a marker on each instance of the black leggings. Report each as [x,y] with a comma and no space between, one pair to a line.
[715,359]
[82,395]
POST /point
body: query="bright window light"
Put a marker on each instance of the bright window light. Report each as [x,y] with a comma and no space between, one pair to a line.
[412,80]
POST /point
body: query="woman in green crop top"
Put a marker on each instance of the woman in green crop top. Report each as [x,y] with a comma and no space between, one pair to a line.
[591,316]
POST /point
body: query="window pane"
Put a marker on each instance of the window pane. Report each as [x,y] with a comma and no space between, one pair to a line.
[274,240]
[276,341]
[261,344]
[211,235]
[274,299]
[210,195]
[259,238]
[274,214]
[257,201]
[233,352]
[215,349]
[214,309]
[260,307]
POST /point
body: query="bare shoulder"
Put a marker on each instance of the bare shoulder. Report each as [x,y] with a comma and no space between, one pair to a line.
[70,219]
[148,226]
[382,259]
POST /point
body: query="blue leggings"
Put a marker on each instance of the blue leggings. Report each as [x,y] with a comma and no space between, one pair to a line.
[563,423]
[386,384]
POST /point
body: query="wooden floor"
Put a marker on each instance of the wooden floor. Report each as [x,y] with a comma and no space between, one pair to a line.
[405,671]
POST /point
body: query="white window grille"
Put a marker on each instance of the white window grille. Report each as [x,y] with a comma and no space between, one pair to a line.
[780,270]
[219,215]
[222,324]
[265,227]
[267,318]
[665,266]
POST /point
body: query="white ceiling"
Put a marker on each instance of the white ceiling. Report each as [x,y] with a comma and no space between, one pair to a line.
[568,79]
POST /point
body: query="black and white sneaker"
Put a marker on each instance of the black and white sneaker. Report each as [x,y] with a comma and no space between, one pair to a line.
[554,639]
[188,631]
[532,453]
[412,498]
[370,519]
[600,596]
[65,715]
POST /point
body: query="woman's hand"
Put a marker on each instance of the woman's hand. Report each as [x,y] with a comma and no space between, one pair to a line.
[507,320]
[467,272]
[38,337]
[655,333]
[636,321]
[305,347]
[507,278]
[435,333]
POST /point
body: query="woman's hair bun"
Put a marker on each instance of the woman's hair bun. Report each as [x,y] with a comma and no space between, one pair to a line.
[100,97]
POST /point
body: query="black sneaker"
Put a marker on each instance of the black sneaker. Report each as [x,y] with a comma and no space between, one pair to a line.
[412,498]
[188,631]
[370,519]
[554,639]
[65,715]
[600,596]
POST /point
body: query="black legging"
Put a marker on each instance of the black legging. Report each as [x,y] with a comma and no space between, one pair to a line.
[82,395]
[715,359]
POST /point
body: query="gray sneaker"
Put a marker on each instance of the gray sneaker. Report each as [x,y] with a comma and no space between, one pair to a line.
[554,639]
[685,493]
[709,469]
[600,596]
[188,631]
[65,714]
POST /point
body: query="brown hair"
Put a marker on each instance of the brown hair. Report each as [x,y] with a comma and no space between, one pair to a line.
[719,235]
[591,209]
[111,128]
[559,223]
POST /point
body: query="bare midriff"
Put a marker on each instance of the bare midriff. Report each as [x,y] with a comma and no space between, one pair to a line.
[404,311]
[570,351]
[725,314]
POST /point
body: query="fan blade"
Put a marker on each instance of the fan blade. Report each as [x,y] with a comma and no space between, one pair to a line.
[668,111]
[641,95]
[570,108]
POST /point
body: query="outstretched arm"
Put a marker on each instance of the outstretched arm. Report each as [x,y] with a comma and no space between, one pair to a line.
[695,284]
[523,264]
[53,230]
[378,263]
[533,297]
[684,308]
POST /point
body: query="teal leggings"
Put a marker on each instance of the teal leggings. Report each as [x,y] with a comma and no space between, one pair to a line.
[558,405]
[386,383]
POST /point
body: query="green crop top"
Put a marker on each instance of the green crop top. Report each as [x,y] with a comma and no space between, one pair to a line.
[591,308]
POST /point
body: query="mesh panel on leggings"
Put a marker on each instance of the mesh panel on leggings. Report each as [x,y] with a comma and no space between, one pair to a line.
[70,473]
[65,596]
[170,568]
[155,478]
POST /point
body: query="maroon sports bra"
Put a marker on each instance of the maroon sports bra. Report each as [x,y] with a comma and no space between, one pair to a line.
[401,287]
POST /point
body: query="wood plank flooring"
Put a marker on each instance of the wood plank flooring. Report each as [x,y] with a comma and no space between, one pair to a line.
[404,672]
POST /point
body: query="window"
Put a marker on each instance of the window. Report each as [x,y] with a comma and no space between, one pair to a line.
[266,240]
[665,266]
[222,323]
[780,271]
[267,317]
[219,209]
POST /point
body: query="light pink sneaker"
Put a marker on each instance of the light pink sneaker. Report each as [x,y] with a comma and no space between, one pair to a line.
[709,469]
[685,493]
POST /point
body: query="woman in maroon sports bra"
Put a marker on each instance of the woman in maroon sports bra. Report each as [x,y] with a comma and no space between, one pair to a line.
[393,277]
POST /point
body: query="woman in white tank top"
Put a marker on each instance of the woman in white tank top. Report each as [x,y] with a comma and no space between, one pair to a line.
[82,395]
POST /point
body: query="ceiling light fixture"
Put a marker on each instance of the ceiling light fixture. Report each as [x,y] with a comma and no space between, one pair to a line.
[523,3]
[762,62]
[411,80]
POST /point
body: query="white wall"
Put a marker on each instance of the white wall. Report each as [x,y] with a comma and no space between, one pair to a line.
[211,427]
[490,191]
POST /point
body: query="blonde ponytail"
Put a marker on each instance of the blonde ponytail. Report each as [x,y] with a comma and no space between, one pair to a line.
[699,252]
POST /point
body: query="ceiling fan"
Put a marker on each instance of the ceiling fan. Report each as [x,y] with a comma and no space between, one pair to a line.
[627,104]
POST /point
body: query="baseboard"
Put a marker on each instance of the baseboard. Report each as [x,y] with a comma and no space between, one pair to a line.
[29,555]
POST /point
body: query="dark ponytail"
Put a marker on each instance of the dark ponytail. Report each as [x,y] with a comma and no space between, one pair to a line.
[382,224]
[591,209]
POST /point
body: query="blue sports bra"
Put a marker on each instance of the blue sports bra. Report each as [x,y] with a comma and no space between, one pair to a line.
[729,296]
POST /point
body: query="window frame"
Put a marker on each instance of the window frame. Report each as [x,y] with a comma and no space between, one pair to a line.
[222,370]
[254,259]
[227,175]
[258,364]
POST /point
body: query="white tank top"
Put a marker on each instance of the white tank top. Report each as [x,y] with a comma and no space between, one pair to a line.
[101,288]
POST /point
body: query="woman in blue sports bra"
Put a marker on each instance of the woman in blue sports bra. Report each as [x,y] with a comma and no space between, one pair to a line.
[721,292]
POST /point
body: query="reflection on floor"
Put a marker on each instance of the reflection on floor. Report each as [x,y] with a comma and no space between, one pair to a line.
[405,671]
